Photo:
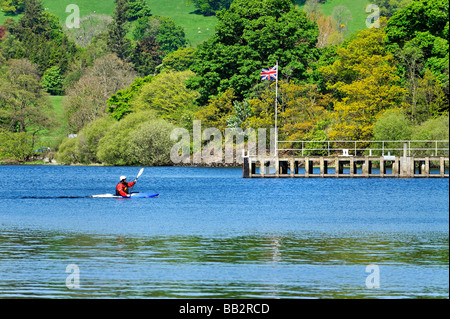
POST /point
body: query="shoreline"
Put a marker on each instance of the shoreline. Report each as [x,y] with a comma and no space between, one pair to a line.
[41,163]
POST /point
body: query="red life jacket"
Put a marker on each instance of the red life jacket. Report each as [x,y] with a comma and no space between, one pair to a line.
[122,189]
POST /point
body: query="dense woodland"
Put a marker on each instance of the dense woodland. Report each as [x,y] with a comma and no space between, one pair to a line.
[128,80]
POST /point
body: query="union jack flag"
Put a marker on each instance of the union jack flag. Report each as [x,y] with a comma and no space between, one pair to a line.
[269,73]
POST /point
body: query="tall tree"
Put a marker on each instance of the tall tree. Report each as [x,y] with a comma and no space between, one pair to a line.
[252,35]
[431,99]
[365,82]
[38,36]
[423,25]
[137,9]
[23,102]
[86,100]
[118,29]
[300,107]
[168,96]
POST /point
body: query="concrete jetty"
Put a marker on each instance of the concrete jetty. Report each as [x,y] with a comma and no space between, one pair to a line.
[345,166]
[412,163]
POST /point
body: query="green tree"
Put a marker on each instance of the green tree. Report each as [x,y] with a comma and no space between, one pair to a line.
[23,102]
[365,82]
[431,99]
[242,111]
[12,6]
[252,35]
[146,56]
[150,143]
[155,38]
[392,125]
[419,16]
[300,108]
[23,109]
[389,7]
[433,129]
[168,96]
[119,104]
[83,148]
[118,29]
[169,36]
[140,138]
[52,81]
[68,153]
[217,112]
[16,146]
[93,133]
[38,36]
[137,9]
[210,7]
[423,25]
[179,60]
[113,148]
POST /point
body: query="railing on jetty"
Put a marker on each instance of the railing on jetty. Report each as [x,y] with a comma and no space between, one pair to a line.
[353,159]
[413,148]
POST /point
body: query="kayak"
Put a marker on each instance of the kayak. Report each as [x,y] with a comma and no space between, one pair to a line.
[133,195]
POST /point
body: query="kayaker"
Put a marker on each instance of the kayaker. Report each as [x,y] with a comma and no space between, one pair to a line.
[123,188]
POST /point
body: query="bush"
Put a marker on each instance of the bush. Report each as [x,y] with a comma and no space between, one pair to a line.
[16,146]
[392,125]
[149,144]
[83,149]
[433,129]
[140,138]
[52,81]
[112,148]
[90,136]
[129,142]
[68,152]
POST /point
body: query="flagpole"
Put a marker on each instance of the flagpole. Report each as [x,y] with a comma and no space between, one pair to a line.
[276,114]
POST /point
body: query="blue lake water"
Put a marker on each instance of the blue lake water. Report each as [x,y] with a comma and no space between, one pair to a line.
[213,234]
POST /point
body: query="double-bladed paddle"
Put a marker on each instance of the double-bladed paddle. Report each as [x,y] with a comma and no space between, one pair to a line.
[138,175]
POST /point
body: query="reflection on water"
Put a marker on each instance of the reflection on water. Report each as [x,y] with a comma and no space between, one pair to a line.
[213,234]
[310,264]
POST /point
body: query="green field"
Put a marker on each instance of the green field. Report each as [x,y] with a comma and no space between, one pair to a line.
[197,27]
[357,9]
[53,136]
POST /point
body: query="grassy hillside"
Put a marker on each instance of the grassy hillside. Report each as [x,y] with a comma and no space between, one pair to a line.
[197,27]
[356,7]
[53,137]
